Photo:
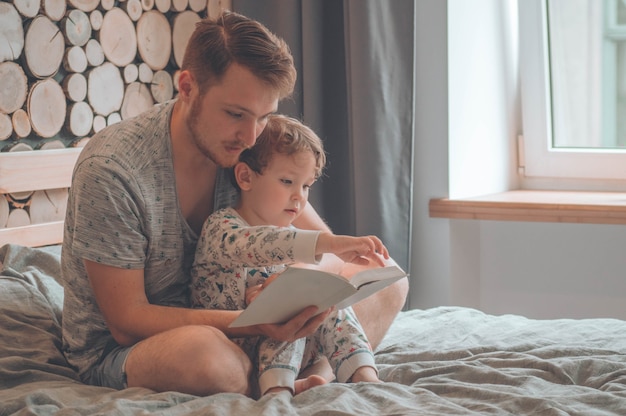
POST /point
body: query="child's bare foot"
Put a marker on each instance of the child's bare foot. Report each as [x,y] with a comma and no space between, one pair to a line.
[306,383]
[300,385]
[367,374]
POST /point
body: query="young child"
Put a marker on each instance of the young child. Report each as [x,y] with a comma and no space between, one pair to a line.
[241,247]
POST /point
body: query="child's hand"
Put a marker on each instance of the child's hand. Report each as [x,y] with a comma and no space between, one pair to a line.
[253,291]
[355,250]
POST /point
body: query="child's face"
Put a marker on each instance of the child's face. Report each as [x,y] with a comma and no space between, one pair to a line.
[280,193]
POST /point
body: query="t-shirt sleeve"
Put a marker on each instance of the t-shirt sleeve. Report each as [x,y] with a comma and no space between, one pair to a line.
[107,217]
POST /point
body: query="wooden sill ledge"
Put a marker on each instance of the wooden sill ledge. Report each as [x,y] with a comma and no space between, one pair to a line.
[537,206]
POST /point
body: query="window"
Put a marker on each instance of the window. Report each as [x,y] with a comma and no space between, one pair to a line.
[573,88]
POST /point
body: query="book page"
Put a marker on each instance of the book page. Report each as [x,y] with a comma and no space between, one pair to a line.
[371,275]
[371,281]
[291,292]
[297,288]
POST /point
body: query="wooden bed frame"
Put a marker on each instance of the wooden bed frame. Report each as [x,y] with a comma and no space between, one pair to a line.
[32,171]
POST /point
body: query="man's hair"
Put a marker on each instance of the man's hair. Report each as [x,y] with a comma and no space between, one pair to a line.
[286,136]
[231,38]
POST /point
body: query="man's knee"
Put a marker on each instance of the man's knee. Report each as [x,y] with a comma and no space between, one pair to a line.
[377,312]
[401,291]
[198,360]
[224,366]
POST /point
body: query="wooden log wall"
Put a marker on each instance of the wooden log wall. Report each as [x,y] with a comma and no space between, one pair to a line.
[70,68]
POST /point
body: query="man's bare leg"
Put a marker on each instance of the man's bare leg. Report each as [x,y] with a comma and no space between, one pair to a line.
[377,312]
[197,360]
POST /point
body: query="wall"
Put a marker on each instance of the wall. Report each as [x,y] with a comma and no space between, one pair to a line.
[430,265]
[539,270]
[552,270]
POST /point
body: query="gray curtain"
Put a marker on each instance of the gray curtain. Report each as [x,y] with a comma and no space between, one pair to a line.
[355,62]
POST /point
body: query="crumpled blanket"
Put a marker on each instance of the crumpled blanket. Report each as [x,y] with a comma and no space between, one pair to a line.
[439,361]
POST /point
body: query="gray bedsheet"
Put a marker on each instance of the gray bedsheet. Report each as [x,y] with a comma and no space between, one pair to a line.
[441,361]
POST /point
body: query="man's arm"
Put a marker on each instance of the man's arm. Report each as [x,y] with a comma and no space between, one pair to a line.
[309,219]
[130,317]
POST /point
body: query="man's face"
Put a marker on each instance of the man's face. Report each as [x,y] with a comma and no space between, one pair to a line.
[230,116]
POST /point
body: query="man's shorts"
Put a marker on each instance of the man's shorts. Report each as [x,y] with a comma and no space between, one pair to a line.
[110,371]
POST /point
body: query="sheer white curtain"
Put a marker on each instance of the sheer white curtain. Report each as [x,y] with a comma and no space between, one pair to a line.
[576,37]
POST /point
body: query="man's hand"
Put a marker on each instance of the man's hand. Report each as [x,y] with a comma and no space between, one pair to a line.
[301,325]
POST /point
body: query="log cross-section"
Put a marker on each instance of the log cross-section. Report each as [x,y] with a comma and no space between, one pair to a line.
[47,107]
[21,123]
[137,99]
[77,27]
[80,119]
[161,87]
[105,89]
[6,126]
[27,8]
[118,38]
[11,33]
[154,39]
[14,87]
[85,5]
[183,26]
[44,47]
[54,9]
[48,205]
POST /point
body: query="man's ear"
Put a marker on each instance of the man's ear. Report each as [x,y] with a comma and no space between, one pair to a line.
[243,176]
[186,84]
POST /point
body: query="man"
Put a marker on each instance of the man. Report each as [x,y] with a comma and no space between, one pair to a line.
[141,191]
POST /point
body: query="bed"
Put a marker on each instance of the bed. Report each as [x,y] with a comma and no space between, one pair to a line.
[439,361]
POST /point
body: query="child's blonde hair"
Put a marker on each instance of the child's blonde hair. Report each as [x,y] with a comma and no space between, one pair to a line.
[287,136]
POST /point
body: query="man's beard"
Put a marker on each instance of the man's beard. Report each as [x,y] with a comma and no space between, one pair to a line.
[194,120]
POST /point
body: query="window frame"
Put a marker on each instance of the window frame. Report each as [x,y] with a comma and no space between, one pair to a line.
[540,160]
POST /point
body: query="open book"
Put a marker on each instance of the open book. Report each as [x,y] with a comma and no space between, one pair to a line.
[296,288]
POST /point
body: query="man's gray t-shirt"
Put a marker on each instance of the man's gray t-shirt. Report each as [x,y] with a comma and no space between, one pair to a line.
[123,211]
